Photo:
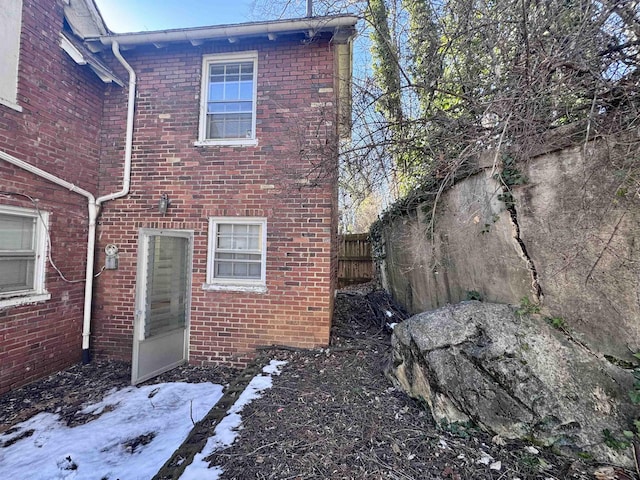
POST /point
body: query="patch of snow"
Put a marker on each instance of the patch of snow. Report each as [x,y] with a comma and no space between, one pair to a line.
[391,326]
[485,459]
[496,465]
[388,313]
[532,450]
[137,430]
[226,431]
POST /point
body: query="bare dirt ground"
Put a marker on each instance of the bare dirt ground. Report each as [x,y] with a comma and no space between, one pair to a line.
[331,414]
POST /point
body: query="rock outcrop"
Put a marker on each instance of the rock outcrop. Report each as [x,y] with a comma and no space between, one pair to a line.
[513,374]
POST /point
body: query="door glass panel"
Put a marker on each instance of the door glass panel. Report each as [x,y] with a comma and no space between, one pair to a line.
[166,284]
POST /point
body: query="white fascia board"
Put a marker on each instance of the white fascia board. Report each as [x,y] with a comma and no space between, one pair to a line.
[72,51]
[256,29]
[77,56]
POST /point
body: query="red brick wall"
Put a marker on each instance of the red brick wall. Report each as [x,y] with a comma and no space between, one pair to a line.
[295,130]
[58,131]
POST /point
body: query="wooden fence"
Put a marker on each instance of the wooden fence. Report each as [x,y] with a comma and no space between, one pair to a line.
[354,260]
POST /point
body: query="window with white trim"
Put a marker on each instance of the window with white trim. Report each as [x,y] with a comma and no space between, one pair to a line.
[228,99]
[22,254]
[237,252]
[11,21]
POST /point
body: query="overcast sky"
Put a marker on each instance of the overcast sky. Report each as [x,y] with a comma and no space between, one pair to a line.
[140,15]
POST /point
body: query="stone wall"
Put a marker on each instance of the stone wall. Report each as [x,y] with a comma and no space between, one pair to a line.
[566,238]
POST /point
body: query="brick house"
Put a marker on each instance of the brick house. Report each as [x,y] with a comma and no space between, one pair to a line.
[202,162]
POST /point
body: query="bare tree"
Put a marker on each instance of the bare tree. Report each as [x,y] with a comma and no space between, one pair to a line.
[452,78]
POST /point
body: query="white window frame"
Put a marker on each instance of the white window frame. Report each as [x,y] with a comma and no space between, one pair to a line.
[207,61]
[245,285]
[38,293]
[11,21]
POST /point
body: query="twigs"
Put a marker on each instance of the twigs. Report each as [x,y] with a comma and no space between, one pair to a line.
[604,249]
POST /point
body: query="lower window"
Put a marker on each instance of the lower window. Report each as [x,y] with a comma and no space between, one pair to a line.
[237,253]
[22,254]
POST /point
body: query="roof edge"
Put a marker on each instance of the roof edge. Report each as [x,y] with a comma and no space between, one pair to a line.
[310,26]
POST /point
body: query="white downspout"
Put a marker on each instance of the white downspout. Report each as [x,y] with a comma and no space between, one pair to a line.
[126,181]
[93,203]
[94,208]
[93,213]
[46,175]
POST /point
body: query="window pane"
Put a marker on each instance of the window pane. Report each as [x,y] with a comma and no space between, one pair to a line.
[216,71]
[225,237]
[16,233]
[238,237]
[225,228]
[254,270]
[231,100]
[237,270]
[240,270]
[237,252]
[229,125]
[224,270]
[16,274]
[216,91]
[232,70]
[231,91]
[167,280]
[246,91]
[246,69]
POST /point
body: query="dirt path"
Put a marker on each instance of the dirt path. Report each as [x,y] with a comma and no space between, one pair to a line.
[334,415]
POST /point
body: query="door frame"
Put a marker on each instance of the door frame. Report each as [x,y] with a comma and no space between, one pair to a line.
[144,235]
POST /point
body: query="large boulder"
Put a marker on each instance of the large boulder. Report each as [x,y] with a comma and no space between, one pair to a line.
[514,375]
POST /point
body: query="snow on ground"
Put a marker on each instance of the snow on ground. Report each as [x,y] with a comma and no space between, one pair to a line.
[226,431]
[135,432]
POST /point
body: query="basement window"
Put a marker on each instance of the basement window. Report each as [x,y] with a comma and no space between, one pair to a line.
[22,256]
[228,99]
[237,254]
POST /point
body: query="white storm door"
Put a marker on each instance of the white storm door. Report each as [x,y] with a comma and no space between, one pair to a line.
[163,290]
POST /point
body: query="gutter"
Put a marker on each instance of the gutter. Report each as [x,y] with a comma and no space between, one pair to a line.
[231,32]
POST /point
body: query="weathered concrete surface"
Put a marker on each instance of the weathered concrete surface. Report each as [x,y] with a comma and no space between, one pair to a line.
[573,235]
[584,240]
[512,375]
[472,249]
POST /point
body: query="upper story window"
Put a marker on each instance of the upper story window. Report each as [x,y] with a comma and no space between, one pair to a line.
[22,255]
[237,254]
[11,22]
[228,99]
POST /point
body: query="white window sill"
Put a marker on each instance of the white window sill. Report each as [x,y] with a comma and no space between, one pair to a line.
[219,287]
[25,300]
[241,142]
[12,105]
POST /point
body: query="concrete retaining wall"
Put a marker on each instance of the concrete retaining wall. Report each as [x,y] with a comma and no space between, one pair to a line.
[569,240]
